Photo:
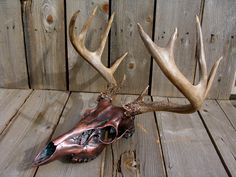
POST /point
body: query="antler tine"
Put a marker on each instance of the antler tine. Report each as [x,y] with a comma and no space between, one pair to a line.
[164,57]
[86,26]
[105,35]
[212,75]
[94,58]
[202,59]
[206,81]
[140,97]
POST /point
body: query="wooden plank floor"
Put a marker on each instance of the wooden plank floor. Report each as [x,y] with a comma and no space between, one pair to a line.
[202,144]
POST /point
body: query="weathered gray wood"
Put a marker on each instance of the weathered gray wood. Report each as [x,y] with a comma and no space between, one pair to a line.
[125,38]
[33,125]
[45,43]
[13,72]
[221,125]
[233,102]
[139,155]
[171,14]
[75,107]
[82,76]
[10,102]
[229,110]
[187,148]
[220,40]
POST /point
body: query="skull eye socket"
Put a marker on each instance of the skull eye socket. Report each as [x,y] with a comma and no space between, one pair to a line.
[109,134]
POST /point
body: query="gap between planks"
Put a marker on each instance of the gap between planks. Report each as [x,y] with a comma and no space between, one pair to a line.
[10,103]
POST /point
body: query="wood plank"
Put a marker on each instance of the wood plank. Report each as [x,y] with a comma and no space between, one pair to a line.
[45,43]
[188,150]
[139,155]
[221,125]
[13,72]
[230,111]
[233,102]
[33,126]
[82,76]
[219,33]
[125,38]
[171,14]
[10,102]
[75,107]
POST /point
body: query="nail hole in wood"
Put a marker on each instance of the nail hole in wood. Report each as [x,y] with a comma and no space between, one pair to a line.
[212,38]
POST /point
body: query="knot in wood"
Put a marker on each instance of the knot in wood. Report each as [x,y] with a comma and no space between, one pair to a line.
[50,19]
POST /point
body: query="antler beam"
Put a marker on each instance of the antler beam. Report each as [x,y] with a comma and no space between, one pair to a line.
[94,57]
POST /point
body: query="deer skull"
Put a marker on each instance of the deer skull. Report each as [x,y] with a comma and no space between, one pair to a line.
[96,129]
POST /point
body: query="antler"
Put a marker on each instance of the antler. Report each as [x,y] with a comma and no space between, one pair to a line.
[164,57]
[94,57]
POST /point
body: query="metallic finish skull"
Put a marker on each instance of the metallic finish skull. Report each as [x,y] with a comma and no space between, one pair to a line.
[96,129]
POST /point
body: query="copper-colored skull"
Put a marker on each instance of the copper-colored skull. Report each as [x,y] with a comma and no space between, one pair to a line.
[97,128]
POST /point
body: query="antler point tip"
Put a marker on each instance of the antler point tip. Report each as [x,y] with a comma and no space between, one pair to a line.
[139,26]
[197,19]
[95,10]
[176,30]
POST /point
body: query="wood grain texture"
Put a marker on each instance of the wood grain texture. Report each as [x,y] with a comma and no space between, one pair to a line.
[187,148]
[10,102]
[139,155]
[221,124]
[171,14]
[82,76]
[45,43]
[75,107]
[219,31]
[33,126]
[13,72]
[125,38]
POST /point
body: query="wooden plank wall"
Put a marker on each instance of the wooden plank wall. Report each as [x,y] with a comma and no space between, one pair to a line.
[125,37]
[45,43]
[37,33]
[13,72]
